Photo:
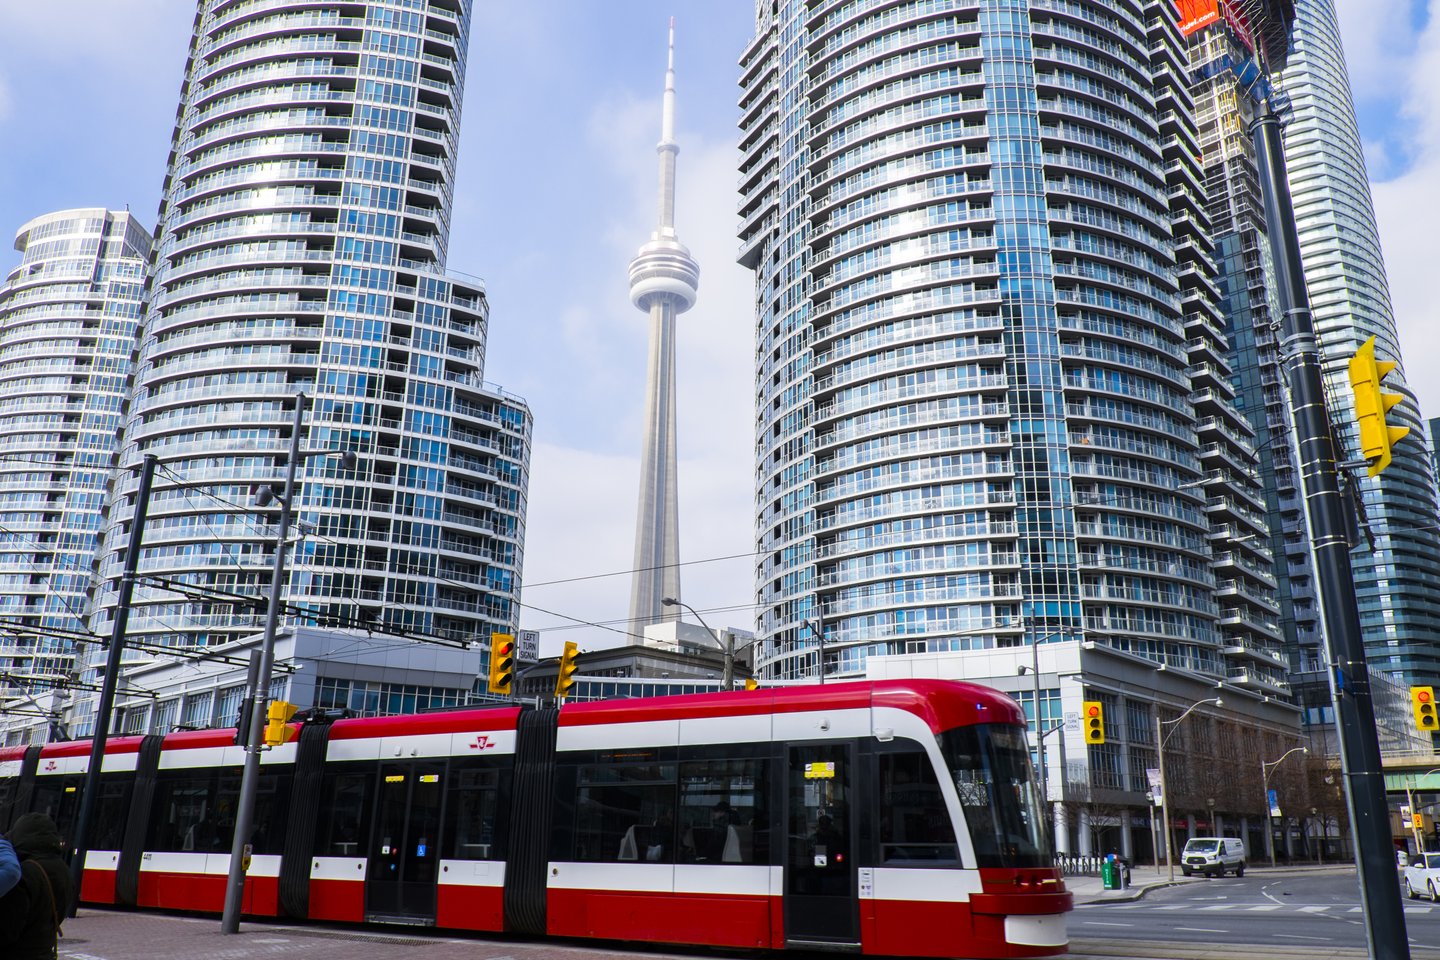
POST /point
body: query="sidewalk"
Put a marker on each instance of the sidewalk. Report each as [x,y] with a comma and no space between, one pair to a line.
[1146,878]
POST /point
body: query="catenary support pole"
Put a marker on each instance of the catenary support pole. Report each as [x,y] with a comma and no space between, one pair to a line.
[250,778]
[90,793]
[1349,676]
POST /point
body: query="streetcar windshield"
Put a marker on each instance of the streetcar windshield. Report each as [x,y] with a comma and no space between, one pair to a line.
[998,795]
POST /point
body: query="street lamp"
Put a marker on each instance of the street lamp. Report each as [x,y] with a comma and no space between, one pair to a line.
[259,692]
[1267,767]
[727,679]
[1040,731]
[817,627]
[1161,737]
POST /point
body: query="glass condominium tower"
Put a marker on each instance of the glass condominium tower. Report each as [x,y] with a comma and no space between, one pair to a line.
[69,312]
[992,401]
[1398,582]
[301,248]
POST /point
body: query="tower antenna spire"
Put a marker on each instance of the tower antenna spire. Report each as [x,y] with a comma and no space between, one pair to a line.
[664,279]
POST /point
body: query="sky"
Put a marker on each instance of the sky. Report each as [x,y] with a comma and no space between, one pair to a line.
[555,193]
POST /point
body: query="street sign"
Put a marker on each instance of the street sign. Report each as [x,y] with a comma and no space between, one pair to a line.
[1072,721]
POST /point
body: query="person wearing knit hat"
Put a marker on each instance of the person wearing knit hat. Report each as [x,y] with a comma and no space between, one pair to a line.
[31,913]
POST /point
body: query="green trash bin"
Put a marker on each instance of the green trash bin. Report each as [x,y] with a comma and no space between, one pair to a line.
[1110,874]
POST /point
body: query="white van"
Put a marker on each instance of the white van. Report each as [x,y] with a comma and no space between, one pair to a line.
[1212,856]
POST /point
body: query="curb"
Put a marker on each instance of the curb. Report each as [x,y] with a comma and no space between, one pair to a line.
[1138,893]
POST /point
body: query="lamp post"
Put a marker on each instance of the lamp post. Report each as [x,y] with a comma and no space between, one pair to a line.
[1160,738]
[259,693]
[1040,731]
[727,679]
[1267,767]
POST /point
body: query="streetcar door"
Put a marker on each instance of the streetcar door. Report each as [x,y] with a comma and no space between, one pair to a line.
[404,853]
[821,904]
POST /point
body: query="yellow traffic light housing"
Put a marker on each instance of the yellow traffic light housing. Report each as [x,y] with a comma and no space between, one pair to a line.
[1422,702]
[1093,714]
[565,679]
[751,683]
[277,730]
[1371,405]
[502,663]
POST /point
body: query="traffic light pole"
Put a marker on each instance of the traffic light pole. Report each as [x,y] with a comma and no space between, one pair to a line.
[1349,676]
[250,774]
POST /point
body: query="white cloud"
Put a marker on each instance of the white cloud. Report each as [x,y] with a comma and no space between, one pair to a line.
[1408,207]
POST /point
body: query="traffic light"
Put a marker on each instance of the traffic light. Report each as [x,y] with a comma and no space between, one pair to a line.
[1371,406]
[279,715]
[1422,702]
[751,683]
[565,679]
[502,663]
[1094,713]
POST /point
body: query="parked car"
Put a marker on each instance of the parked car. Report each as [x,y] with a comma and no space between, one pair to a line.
[1213,856]
[1423,875]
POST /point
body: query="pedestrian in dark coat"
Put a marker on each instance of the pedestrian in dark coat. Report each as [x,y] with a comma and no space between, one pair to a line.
[31,913]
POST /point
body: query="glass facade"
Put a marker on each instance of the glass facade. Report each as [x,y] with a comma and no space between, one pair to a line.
[1245,279]
[1398,582]
[302,245]
[993,406]
[69,312]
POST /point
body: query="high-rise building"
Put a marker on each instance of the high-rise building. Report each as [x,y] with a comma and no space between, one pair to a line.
[663,282]
[1228,85]
[301,247]
[993,404]
[69,313]
[1398,581]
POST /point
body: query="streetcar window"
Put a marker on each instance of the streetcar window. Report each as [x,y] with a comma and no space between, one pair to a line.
[193,812]
[624,812]
[272,807]
[110,812]
[996,785]
[345,796]
[915,826]
[722,812]
[470,814]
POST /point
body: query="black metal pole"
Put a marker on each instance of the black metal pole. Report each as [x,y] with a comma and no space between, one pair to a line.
[1349,676]
[90,793]
[260,692]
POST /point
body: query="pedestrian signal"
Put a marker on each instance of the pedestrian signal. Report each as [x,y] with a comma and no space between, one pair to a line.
[1093,712]
[277,729]
[1422,702]
[502,663]
[565,679]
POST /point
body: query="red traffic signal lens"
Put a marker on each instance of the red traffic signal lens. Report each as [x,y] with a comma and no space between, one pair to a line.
[1094,711]
[1422,695]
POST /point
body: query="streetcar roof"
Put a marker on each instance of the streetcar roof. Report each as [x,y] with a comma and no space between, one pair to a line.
[942,704]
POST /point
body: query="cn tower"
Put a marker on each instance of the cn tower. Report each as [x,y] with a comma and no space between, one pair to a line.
[663,281]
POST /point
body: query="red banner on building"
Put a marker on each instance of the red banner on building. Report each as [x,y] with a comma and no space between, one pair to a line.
[1195,14]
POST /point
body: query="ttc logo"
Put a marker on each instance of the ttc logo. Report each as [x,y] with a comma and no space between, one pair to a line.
[482,743]
[50,765]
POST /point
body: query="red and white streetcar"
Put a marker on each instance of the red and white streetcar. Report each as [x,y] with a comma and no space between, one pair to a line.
[897,817]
